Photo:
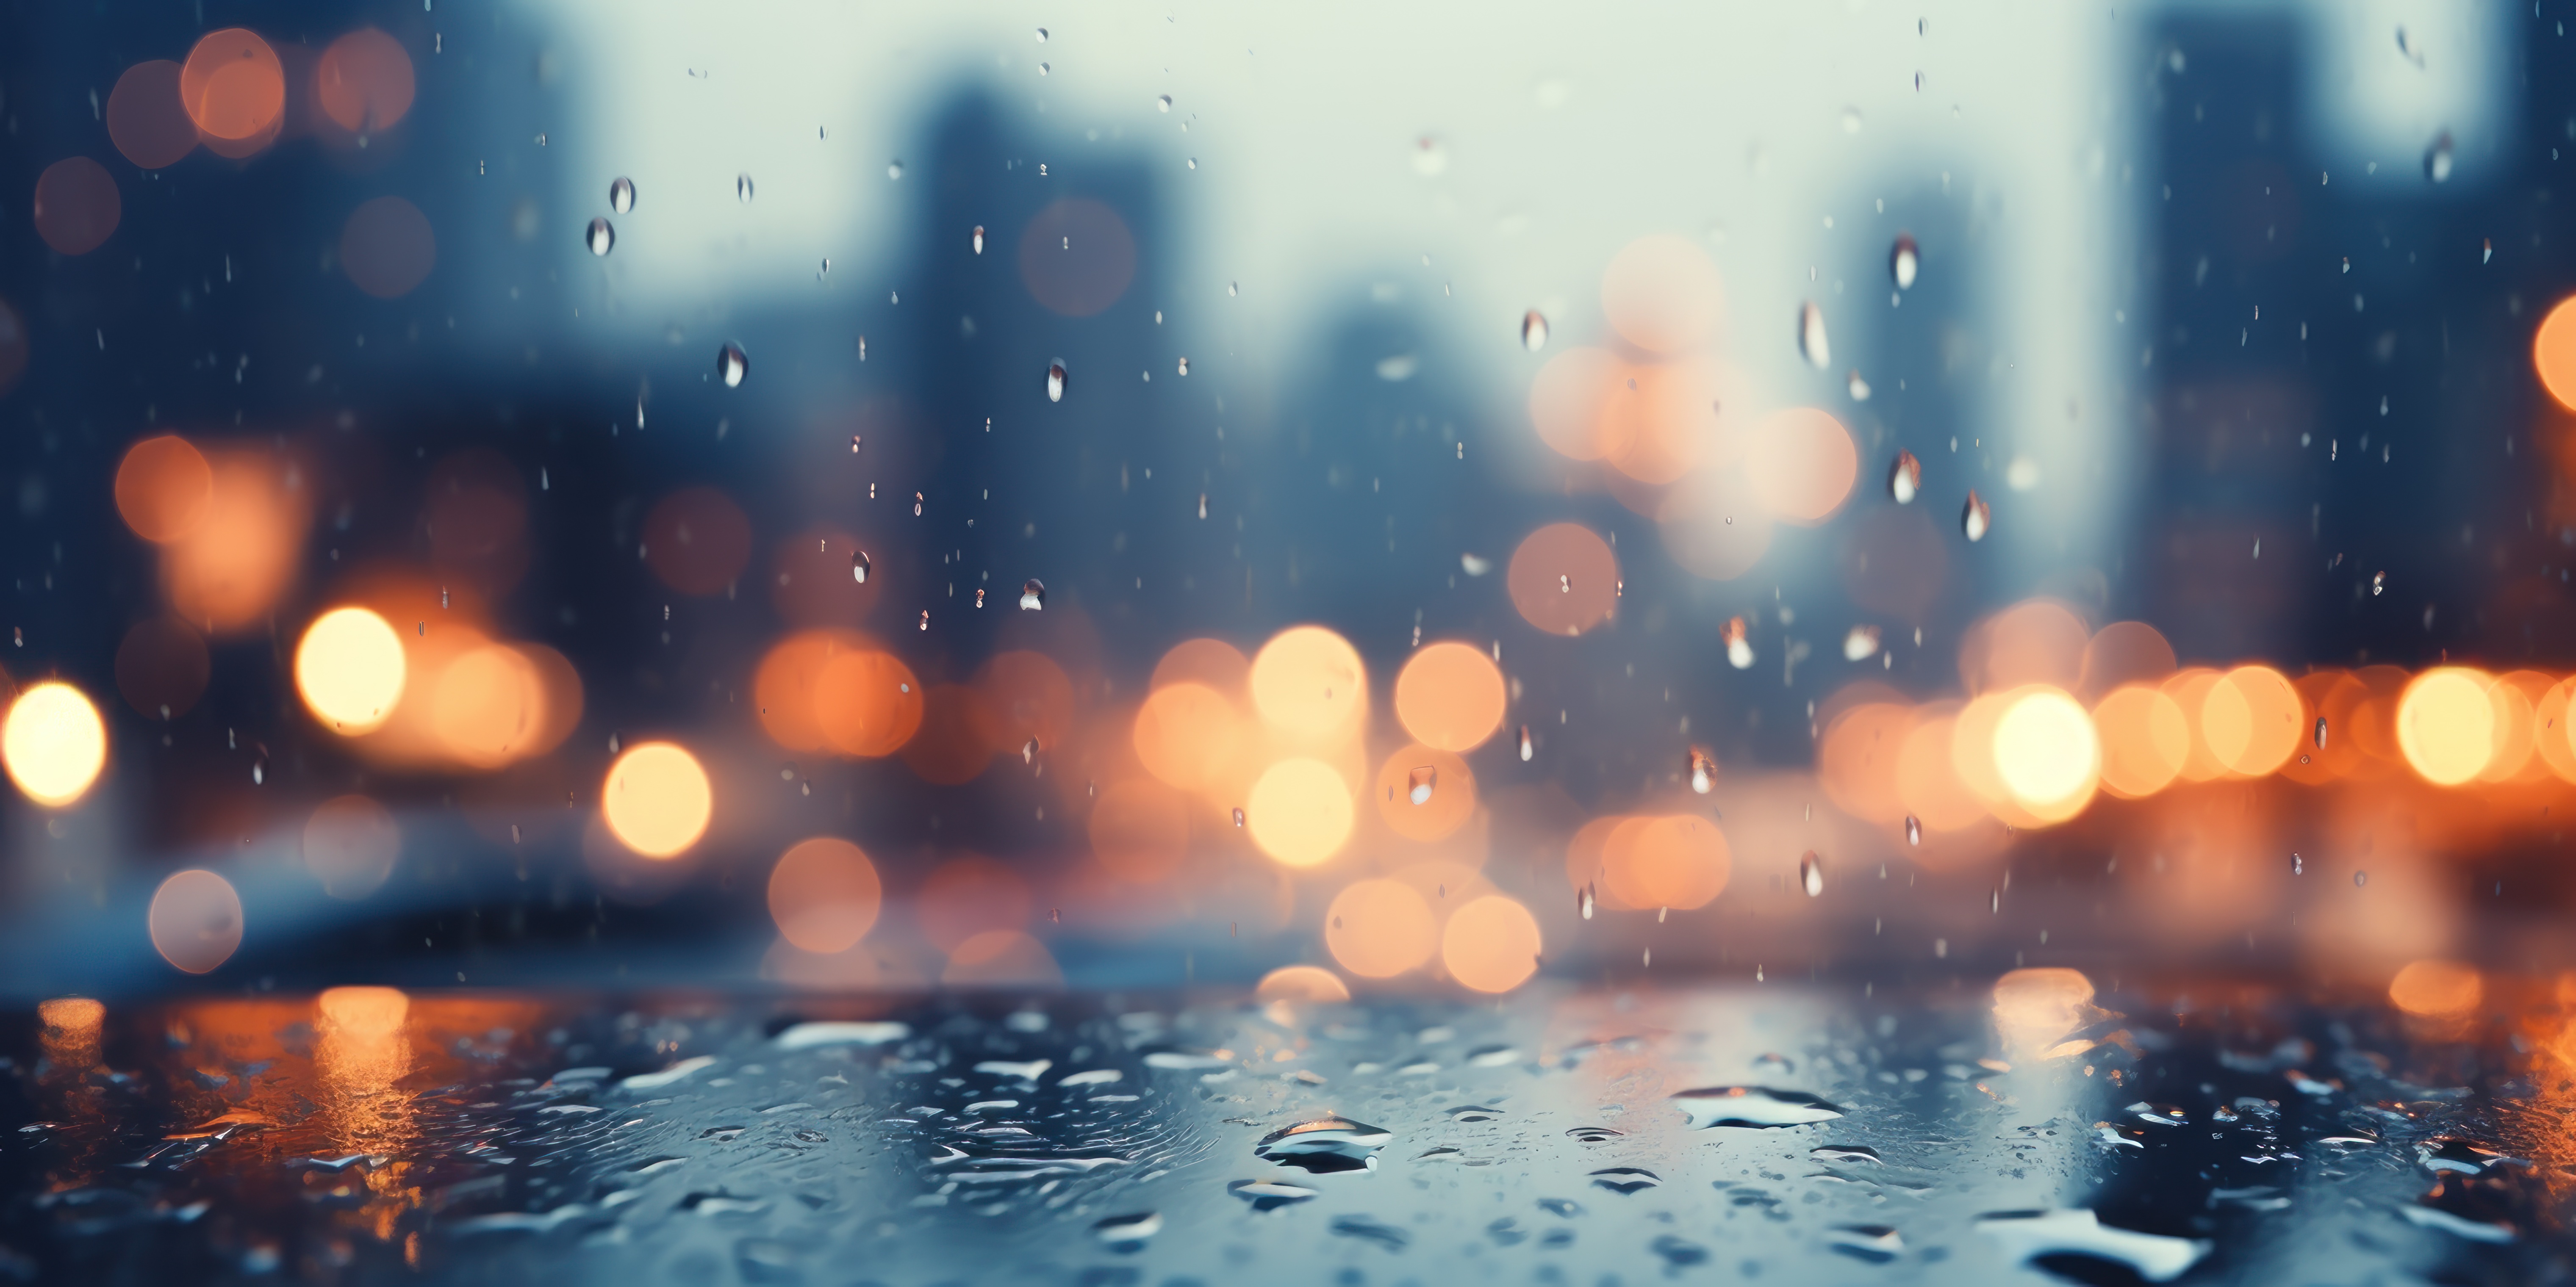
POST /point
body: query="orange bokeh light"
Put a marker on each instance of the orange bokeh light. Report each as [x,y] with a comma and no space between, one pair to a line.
[2046,753]
[2124,652]
[1140,830]
[1564,579]
[2433,988]
[2145,739]
[1299,812]
[1491,944]
[2251,720]
[1308,983]
[233,565]
[2036,641]
[1186,734]
[2446,725]
[2553,352]
[164,488]
[1450,695]
[1662,294]
[195,920]
[1213,663]
[657,800]
[1425,793]
[1570,401]
[1858,758]
[968,896]
[1026,697]
[1680,861]
[233,86]
[1308,680]
[824,894]
[488,707]
[77,206]
[1378,929]
[2516,698]
[782,688]
[147,118]
[1801,463]
[867,703]
[53,743]
[364,81]
[350,670]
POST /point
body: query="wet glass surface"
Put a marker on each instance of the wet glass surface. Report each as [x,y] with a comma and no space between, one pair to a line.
[1797,1133]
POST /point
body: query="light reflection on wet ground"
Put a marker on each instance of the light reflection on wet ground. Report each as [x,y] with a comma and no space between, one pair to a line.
[2209,1132]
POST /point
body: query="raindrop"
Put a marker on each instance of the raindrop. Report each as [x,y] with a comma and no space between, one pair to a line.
[916,504]
[1975,517]
[1739,649]
[1185,370]
[2298,865]
[621,194]
[1325,1145]
[2437,159]
[894,169]
[979,597]
[859,566]
[2321,732]
[863,348]
[1042,35]
[1861,644]
[1533,331]
[1032,595]
[601,237]
[742,188]
[1583,901]
[2360,878]
[1754,1106]
[1703,770]
[1127,1232]
[1270,1195]
[1526,749]
[1905,478]
[1904,261]
[1029,752]
[2486,249]
[1419,781]
[1055,381]
[259,771]
[732,364]
[925,619]
[979,239]
[1238,817]
[1564,583]
[1857,387]
[855,441]
[1233,288]
[1044,68]
[1624,1180]
[1811,336]
[2378,582]
[1811,874]
[1913,830]
[1202,504]
[1163,104]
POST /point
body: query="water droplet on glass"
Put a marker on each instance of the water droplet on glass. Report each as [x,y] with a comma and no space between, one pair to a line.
[855,442]
[1904,261]
[2437,159]
[1905,478]
[1163,104]
[1811,336]
[1032,595]
[742,188]
[2378,582]
[600,238]
[1185,370]
[2360,878]
[925,619]
[259,771]
[621,194]
[979,597]
[894,169]
[1811,874]
[1238,818]
[1861,643]
[1739,648]
[1913,830]
[2321,732]
[2486,249]
[1583,901]
[979,239]
[1533,331]
[1975,517]
[1233,289]
[1564,583]
[1055,381]
[1703,770]
[1624,1180]
[1042,35]
[1752,1106]
[859,566]
[1270,1195]
[1857,387]
[1029,752]
[732,364]
[1526,749]
[1419,781]
[1044,68]
[2298,865]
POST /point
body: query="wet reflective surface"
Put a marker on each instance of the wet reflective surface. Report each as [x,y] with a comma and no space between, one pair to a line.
[1974,1131]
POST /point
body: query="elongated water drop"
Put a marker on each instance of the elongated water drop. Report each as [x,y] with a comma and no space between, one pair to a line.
[2298,865]
[859,566]
[1163,104]
[1202,504]
[2321,732]
[1975,517]
[621,194]
[1419,781]
[1533,331]
[1905,478]
[1055,381]
[1811,336]
[1913,830]
[1903,261]
[732,364]
[1811,874]
[1029,751]
[1526,749]
[1238,817]
[925,619]
[1185,366]
[600,238]
[1861,643]
[1032,595]
[742,188]
[1739,649]
[1703,770]
[2437,159]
